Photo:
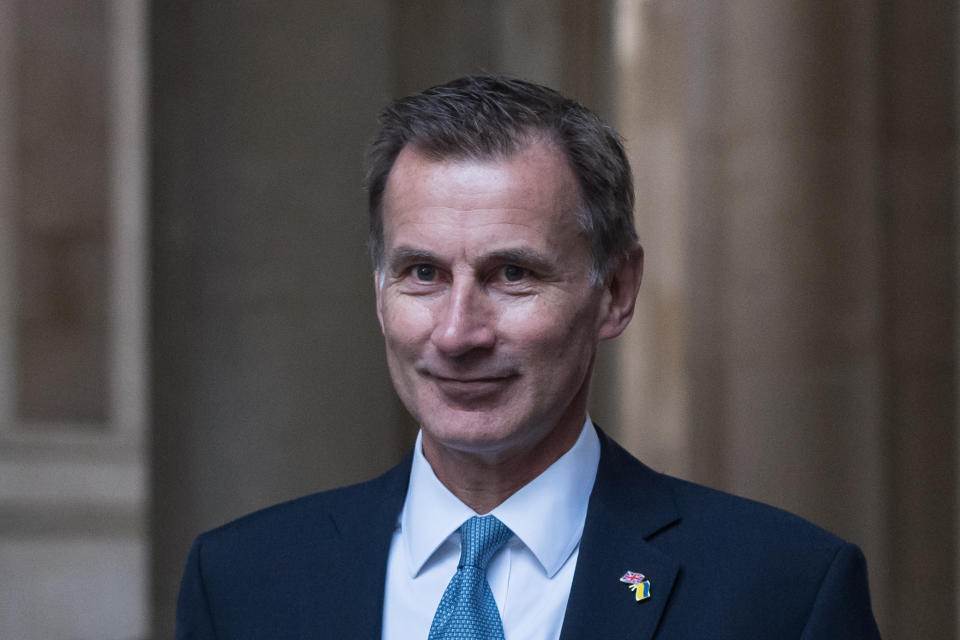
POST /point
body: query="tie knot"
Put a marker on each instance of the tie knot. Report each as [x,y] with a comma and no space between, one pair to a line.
[480,538]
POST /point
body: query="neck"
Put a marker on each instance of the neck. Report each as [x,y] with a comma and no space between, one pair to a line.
[484,482]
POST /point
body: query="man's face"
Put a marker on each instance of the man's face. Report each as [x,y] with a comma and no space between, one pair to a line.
[485,300]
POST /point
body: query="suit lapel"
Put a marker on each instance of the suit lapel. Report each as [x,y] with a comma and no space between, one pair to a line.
[365,529]
[627,507]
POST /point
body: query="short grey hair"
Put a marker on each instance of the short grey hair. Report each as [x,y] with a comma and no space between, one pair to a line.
[489,117]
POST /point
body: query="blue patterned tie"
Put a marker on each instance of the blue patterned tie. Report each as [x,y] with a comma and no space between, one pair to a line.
[467,609]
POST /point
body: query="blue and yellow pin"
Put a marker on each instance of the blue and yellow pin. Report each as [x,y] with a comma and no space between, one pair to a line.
[638,584]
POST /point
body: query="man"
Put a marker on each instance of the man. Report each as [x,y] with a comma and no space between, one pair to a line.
[504,251]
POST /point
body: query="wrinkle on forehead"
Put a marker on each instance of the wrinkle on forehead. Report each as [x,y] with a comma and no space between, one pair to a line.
[471,182]
[460,210]
[453,238]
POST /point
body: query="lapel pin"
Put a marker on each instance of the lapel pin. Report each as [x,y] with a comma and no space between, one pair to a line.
[638,584]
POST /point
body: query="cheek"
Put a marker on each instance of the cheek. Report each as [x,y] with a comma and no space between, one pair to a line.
[405,323]
[556,328]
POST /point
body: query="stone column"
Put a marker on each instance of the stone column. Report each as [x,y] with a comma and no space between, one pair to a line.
[268,375]
[561,43]
[796,192]
[917,208]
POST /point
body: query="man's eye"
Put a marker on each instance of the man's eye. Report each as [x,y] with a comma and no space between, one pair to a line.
[425,272]
[513,273]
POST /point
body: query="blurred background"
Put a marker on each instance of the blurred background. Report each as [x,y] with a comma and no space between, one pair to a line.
[187,329]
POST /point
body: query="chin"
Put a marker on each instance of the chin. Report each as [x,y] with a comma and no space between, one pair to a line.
[475,432]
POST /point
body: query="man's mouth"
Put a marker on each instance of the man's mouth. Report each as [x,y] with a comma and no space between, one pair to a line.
[471,379]
[472,386]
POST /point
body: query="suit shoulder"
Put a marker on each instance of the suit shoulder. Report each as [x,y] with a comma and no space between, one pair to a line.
[745,569]
[797,574]
[710,514]
[730,533]
[257,575]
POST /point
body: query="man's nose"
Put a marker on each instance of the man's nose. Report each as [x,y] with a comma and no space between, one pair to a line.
[464,321]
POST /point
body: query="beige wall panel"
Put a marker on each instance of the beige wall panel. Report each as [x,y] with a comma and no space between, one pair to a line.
[796,193]
[58,589]
[73,544]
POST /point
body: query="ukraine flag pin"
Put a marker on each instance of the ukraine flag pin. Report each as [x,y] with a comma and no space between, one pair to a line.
[638,584]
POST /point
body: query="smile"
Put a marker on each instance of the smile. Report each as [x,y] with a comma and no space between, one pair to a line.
[473,380]
[472,387]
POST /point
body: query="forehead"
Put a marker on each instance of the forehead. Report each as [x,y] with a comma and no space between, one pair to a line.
[532,192]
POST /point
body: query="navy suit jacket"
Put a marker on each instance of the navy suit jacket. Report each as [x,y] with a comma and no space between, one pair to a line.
[719,566]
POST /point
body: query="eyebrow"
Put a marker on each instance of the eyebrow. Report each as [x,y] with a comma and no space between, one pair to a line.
[404,255]
[521,257]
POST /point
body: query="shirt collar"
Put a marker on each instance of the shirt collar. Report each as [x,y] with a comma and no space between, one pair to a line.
[547,514]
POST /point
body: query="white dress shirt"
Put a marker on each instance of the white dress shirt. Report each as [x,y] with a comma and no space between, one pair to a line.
[530,576]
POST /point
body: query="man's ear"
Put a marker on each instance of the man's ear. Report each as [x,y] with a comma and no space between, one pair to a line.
[378,292]
[620,295]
